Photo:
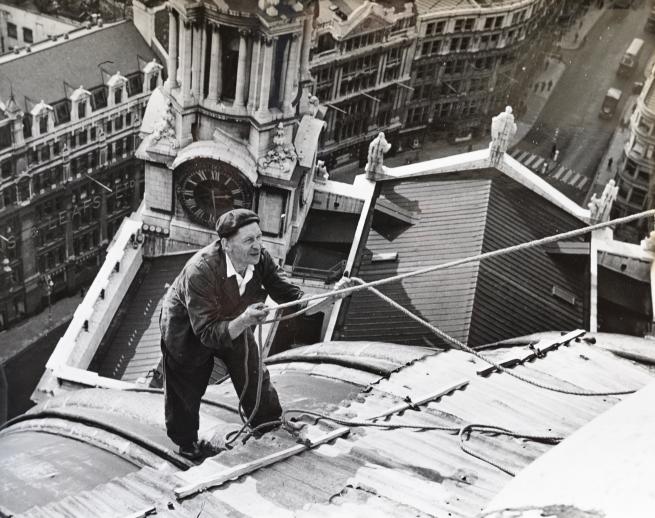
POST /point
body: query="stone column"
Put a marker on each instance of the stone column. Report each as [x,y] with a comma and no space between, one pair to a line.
[291,78]
[103,216]
[265,90]
[336,86]
[382,65]
[306,46]
[254,72]
[171,81]
[214,65]
[196,60]
[185,61]
[203,61]
[239,95]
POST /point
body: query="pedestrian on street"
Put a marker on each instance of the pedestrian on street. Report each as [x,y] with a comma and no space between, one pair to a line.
[536,86]
[609,163]
[546,64]
[575,38]
[550,84]
[543,85]
[209,311]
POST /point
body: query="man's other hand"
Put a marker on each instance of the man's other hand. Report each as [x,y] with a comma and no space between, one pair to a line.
[343,283]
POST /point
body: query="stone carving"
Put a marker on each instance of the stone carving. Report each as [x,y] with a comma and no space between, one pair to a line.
[313,104]
[600,207]
[269,6]
[321,171]
[503,129]
[164,129]
[376,150]
[282,156]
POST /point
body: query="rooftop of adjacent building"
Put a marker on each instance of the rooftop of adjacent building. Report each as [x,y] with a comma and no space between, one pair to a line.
[52,67]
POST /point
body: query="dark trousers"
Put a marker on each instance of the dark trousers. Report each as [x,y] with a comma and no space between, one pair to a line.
[185,385]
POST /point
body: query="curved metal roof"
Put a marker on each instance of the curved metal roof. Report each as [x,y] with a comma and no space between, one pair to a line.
[386,472]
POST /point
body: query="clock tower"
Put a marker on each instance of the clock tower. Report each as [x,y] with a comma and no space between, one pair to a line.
[233,126]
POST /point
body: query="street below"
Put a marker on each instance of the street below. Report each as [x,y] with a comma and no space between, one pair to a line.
[570,119]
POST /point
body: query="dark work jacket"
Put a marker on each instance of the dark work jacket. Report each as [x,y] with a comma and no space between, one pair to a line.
[200,303]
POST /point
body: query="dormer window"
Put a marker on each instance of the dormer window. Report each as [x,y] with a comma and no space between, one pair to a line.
[152,75]
[43,120]
[81,103]
[117,86]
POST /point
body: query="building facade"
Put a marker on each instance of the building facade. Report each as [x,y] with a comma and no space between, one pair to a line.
[360,61]
[635,177]
[21,26]
[67,174]
[471,60]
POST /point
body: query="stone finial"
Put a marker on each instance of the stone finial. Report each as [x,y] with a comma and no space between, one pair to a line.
[321,171]
[648,243]
[164,129]
[600,207]
[503,129]
[313,105]
[269,6]
[376,150]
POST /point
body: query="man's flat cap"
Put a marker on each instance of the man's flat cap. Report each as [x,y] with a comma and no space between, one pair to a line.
[233,220]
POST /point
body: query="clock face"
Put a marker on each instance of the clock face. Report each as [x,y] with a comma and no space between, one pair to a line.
[207,188]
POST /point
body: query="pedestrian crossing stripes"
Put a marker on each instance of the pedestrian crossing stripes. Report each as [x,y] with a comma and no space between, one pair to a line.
[542,167]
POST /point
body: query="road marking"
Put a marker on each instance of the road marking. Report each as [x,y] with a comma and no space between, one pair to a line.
[538,163]
[522,155]
[559,172]
[516,153]
[528,163]
[574,179]
[568,175]
[583,182]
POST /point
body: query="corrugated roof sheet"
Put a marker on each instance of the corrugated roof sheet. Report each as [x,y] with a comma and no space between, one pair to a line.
[41,74]
[131,348]
[385,472]
[461,215]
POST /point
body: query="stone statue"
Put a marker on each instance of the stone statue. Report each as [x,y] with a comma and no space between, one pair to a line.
[503,129]
[313,105]
[269,6]
[600,207]
[376,150]
[321,171]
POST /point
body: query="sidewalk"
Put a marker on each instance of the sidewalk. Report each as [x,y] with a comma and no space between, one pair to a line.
[576,34]
[605,173]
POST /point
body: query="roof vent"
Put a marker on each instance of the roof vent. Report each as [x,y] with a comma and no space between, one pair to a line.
[564,295]
[385,257]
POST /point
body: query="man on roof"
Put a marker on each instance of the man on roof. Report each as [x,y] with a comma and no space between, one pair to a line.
[210,311]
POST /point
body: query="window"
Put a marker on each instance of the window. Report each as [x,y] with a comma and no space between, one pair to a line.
[43,124]
[118,95]
[82,137]
[99,97]
[81,109]
[62,112]
[5,169]
[108,127]
[638,197]
[128,119]
[93,133]
[5,136]
[45,152]
[118,123]
[28,37]
[135,84]
[12,31]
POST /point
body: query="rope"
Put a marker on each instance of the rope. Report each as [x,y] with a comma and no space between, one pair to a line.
[478,257]
[459,430]
[446,337]
[232,436]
